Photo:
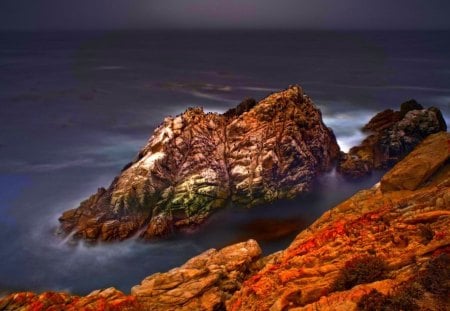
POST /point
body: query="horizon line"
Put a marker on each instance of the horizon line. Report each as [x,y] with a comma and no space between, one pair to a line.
[325,29]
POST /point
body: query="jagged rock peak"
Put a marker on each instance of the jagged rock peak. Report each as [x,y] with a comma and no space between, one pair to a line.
[197,162]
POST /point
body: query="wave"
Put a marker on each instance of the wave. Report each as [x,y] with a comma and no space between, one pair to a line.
[347,142]
[210,96]
[258,88]
[347,127]
[26,167]
[197,86]
[23,166]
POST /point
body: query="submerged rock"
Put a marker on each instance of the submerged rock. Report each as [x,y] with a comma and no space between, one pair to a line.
[394,135]
[198,162]
[385,248]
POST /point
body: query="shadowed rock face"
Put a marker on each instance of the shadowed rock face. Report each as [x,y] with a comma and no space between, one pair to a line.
[197,162]
[385,248]
[393,135]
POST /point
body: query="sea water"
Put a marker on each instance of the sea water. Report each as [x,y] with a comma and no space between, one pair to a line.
[75,107]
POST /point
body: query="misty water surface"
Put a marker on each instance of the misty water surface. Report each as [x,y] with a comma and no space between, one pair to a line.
[75,107]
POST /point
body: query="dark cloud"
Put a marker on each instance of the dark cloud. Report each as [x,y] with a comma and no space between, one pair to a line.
[328,14]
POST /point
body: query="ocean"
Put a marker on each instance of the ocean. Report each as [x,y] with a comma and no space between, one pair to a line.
[76,106]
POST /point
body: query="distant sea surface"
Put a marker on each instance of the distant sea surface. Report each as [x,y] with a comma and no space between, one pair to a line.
[75,107]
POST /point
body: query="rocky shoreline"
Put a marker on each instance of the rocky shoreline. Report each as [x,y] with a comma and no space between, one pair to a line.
[197,163]
[385,248]
[381,239]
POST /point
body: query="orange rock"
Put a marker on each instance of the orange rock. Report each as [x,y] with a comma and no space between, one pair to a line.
[419,165]
[372,224]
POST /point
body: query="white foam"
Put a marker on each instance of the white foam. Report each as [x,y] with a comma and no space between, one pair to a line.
[347,127]
[347,142]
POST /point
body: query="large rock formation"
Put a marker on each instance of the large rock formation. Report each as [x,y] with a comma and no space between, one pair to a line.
[197,162]
[393,135]
[385,248]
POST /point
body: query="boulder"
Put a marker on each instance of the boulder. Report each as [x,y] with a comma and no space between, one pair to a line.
[419,165]
[197,162]
[393,135]
[204,282]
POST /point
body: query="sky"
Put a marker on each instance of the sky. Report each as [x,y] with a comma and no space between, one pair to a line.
[204,14]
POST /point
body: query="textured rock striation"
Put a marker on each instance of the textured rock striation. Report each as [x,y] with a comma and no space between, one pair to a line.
[385,248]
[393,135]
[107,299]
[205,282]
[198,162]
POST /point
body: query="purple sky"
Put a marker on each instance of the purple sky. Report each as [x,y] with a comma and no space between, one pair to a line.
[303,14]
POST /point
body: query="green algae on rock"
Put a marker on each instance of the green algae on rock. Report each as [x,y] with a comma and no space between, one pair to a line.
[198,162]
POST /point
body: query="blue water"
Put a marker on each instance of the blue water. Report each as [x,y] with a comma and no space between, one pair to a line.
[76,106]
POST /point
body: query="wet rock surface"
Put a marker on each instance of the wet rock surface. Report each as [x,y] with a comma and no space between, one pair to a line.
[198,162]
[393,134]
